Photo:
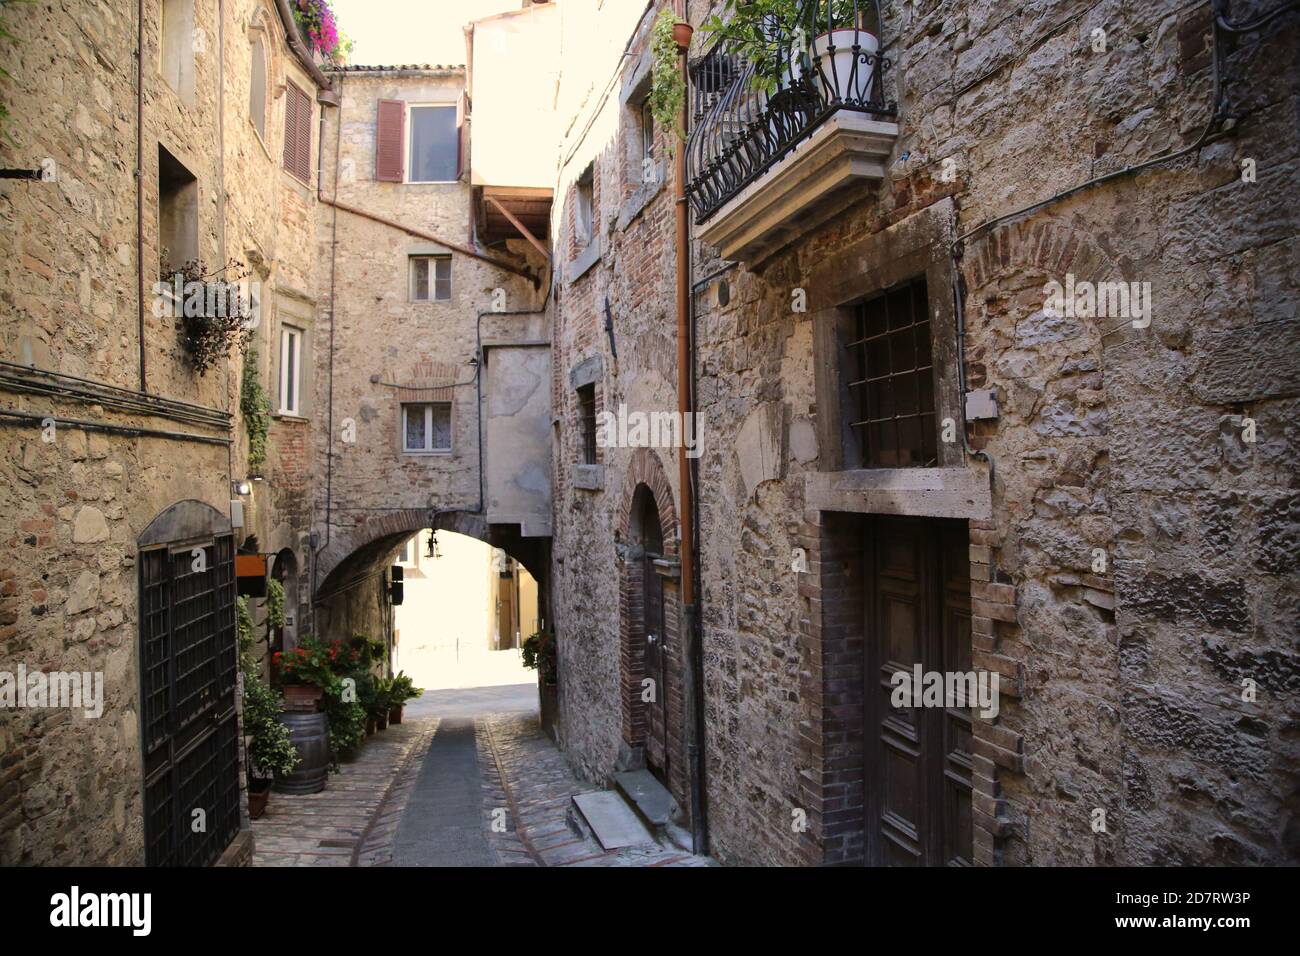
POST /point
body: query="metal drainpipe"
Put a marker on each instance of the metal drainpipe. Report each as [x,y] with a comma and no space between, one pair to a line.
[139,182]
[693,697]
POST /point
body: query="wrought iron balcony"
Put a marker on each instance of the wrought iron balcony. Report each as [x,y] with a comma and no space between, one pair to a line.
[811,86]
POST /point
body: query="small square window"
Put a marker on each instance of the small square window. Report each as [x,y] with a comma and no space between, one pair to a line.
[426,427]
[587,422]
[430,278]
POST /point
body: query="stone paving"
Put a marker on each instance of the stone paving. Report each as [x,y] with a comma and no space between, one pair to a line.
[525,790]
[352,821]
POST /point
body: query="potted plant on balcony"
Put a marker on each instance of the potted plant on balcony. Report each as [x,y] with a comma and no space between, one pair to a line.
[776,35]
[667,86]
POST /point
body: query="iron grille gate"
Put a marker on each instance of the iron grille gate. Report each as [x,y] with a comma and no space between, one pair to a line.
[190,731]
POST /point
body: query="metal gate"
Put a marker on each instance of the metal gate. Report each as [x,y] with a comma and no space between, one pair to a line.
[189,727]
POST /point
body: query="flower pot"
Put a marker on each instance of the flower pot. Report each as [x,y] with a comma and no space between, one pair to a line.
[302,698]
[370,726]
[381,721]
[835,73]
[395,715]
[259,792]
[682,33]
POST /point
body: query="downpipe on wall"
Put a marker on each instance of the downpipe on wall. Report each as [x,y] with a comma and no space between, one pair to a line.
[691,659]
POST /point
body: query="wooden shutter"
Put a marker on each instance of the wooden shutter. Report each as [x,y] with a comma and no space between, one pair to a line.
[290,126]
[390,137]
[297,132]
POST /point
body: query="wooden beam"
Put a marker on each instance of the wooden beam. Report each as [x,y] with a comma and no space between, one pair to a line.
[521,227]
[421,234]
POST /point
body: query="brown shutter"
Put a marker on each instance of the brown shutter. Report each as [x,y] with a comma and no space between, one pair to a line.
[297,132]
[290,127]
[390,135]
[303,164]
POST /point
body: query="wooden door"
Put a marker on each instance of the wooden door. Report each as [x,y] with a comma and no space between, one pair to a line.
[656,656]
[918,765]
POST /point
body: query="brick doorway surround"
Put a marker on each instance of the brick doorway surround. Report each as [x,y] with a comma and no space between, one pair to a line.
[646,474]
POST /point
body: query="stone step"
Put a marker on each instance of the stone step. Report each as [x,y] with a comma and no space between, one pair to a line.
[650,797]
[611,820]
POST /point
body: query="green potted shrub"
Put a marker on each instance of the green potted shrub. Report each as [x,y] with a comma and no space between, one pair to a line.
[402,690]
[382,701]
[271,753]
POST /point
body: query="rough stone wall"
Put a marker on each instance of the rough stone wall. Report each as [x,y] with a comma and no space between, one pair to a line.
[1121,689]
[74,507]
[633,225]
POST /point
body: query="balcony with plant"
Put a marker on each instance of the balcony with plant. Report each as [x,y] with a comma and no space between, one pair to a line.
[789,112]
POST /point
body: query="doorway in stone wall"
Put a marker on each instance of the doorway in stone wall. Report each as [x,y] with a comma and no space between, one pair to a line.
[188,662]
[918,759]
[647,539]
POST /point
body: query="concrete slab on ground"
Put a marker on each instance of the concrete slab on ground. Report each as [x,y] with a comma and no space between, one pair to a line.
[615,824]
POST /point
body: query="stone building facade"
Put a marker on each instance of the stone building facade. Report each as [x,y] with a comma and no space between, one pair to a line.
[119,460]
[1091,517]
[417,319]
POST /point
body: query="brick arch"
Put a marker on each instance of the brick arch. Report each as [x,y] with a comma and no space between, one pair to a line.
[646,469]
[1049,245]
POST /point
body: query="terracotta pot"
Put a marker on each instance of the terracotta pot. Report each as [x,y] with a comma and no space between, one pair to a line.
[682,33]
[381,721]
[395,715]
[302,698]
[259,792]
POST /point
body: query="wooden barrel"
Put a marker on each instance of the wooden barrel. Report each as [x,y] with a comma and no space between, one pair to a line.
[310,735]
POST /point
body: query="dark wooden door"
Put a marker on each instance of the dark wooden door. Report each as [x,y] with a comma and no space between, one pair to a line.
[918,763]
[656,655]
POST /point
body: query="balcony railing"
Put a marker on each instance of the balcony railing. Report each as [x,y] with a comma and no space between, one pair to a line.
[757,96]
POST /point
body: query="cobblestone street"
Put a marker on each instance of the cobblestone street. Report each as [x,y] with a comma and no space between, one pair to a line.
[419,795]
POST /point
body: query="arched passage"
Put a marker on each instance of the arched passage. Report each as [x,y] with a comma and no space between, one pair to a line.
[353,571]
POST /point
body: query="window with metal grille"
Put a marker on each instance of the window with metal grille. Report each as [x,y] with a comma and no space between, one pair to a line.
[891,378]
[587,422]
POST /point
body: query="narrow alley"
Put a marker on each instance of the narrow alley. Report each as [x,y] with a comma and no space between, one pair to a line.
[467,779]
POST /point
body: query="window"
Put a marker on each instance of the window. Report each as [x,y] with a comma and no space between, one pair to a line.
[646,124]
[297,132]
[178,43]
[433,145]
[290,371]
[178,211]
[426,427]
[257,86]
[582,207]
[587,422]
[430,278]
[891,376]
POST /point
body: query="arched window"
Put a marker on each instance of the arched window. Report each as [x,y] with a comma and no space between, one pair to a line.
[257,86]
